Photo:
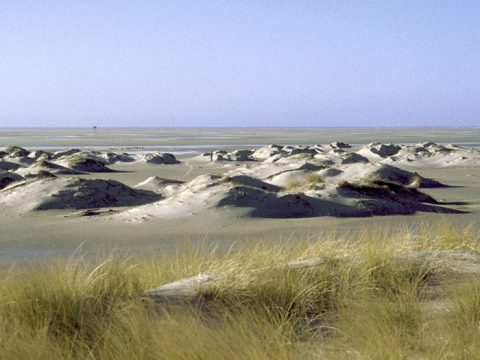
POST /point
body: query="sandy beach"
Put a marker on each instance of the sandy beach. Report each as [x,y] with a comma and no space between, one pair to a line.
[235,196]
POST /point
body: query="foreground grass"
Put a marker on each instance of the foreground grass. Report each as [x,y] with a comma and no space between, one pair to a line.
[376,296]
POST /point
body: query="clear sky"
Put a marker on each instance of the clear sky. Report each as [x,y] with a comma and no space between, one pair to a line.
[240,63]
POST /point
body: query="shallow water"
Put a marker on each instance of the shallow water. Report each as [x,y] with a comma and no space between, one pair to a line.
[195,140]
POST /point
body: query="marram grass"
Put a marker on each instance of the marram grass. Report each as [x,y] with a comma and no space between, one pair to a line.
[370,296]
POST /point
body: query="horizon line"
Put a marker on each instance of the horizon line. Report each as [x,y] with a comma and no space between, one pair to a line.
[240,127]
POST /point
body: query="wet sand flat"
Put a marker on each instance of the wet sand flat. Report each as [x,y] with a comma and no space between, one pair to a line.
[185,139]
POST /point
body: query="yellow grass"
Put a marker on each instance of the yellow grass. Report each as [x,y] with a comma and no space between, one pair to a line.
[311,181]
[369,297]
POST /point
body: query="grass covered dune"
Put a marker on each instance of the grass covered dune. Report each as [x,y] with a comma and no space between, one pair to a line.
[385,295]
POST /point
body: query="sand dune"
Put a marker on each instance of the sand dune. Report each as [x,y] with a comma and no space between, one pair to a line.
[158,158]
[45,165]
[425,154]
[159,185]
[7,166]
[272,182]
[281,191]
[7,178]
[73,193]
[16,152]
[86,164]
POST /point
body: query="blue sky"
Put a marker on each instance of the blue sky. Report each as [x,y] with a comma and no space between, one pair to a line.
[239,63]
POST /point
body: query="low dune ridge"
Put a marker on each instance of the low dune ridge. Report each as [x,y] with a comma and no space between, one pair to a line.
[7,178]
[40,155]
[45,165]
[336,180]
[96,193]
[399,176]
[424,154]
[159,158]
[159,185]
[158,182]
[294,192]
[64,153]
[274,181]
[41,174]
[16,152]
[86,164]
[7,166]
[110,158]
[74,193]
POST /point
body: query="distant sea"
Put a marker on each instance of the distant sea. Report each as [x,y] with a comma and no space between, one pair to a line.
[190,141]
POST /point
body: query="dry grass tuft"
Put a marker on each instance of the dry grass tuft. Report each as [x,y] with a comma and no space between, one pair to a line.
[313,178]
[294,185]
[312,181]
[367,297]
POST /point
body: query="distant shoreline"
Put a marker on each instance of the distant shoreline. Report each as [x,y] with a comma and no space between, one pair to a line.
[234,127]
[206,139]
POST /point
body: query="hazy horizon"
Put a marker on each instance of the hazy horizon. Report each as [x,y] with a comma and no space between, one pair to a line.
[240,127]
[231,64]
